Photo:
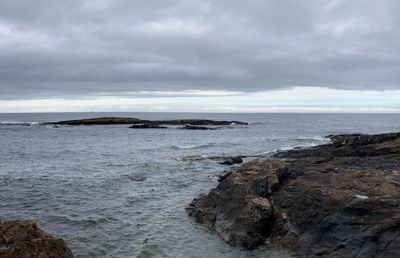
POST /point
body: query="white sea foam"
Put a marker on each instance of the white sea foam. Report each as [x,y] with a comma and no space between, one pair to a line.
[310,138]
[362,197]
[19,123]
[193,146]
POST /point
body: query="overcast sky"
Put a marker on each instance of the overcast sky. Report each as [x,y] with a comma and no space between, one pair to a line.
[175,55]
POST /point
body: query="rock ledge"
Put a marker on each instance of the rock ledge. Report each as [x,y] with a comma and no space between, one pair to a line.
[336,200]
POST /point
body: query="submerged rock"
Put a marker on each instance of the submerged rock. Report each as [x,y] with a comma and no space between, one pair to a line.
[22,239]
[197,127]
[229,161]
[334,200]
[196,122]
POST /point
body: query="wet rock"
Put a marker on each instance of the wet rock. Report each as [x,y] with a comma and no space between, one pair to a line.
[147,126]
[224,176]
[335,200]
[229,160]
[23,239]
[232,160]
[238,209]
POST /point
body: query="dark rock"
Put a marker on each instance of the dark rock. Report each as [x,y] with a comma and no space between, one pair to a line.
[235,209]
[23,239]
[348,146]
[229,160]
[361,139]
[197,127]
[335,200]
[232,160]
[100,121]
[147,126]
[196,122]
[224,176]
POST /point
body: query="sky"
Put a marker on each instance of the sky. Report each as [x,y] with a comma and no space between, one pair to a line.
[200,56]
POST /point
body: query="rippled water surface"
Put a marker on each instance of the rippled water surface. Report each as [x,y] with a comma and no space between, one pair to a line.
[111,191]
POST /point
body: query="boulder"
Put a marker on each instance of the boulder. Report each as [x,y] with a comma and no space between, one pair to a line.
[24,239]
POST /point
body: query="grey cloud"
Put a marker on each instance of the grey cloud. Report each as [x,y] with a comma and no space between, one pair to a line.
[80,48]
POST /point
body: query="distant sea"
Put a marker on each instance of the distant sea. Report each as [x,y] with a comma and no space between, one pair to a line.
[112,191]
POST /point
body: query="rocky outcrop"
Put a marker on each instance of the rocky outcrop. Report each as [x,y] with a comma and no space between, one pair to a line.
[24,239]
[238,209]
[224,160]
[134,121]
[196,122]
[336,200]
[100,121]
[362,139]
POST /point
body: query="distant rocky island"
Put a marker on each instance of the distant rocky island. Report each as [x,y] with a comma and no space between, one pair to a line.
[336,200]
[146,123]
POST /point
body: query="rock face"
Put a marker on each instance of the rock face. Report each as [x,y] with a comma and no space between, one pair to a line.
[335,200]
[23,239]
[133,121]
[238,209]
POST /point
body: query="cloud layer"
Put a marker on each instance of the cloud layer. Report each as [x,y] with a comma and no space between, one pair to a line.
[297,99]
[77,48]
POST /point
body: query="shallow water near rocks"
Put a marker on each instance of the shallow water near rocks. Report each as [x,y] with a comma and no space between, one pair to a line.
[112,191]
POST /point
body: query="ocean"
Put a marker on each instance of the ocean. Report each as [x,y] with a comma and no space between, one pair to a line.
[112,191]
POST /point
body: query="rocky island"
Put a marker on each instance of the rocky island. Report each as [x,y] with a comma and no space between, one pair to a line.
[336,200]
[149,123]
[22,239]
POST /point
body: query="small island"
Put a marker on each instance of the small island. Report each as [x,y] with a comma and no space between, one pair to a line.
[137,121]
[336,200]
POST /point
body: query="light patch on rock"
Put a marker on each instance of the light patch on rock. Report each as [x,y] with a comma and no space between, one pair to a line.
[362,197]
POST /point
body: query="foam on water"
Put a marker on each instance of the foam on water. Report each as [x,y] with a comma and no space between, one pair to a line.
[4,123]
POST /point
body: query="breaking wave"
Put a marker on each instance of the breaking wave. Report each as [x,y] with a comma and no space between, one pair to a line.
[19,123]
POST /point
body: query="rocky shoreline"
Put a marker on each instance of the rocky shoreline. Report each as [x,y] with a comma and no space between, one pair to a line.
[336,200]
[340,199]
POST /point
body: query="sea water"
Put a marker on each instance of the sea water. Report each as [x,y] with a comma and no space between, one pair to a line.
[112,191]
